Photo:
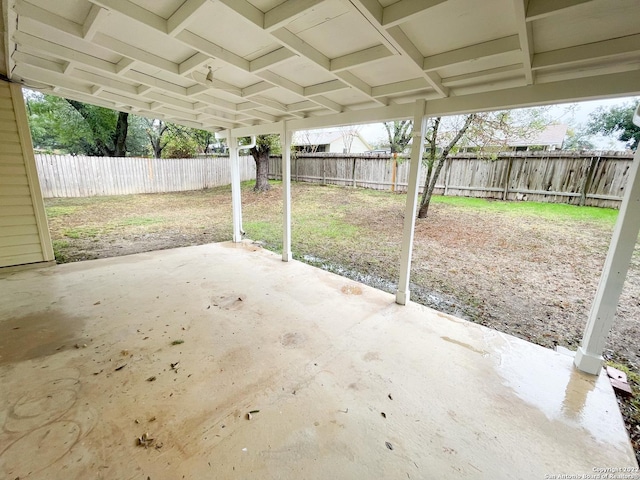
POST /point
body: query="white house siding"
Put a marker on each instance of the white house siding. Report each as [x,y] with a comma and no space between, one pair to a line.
[357,146]
[24,234]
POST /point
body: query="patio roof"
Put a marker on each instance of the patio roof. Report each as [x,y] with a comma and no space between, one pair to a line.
[229,64]
[348,384]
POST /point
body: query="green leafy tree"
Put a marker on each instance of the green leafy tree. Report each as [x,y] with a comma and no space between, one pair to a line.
[180,144]
[73,127]
[203,138]
[265,146]
[137,140]
[617,121]
[108,128]
[578,140]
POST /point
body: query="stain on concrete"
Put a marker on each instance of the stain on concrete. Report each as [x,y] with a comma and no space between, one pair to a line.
[371,357]
[292,339]
[351,290]
[465,345]
[38,334]
[233,301]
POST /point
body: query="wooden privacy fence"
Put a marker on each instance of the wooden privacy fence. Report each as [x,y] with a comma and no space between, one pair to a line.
[80,176]
[593,178]
[596,178]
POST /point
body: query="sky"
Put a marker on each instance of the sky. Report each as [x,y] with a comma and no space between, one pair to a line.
[576,118]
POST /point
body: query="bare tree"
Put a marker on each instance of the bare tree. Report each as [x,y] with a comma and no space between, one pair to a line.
[484,133]
[399,134]
[306,138]
[348,134]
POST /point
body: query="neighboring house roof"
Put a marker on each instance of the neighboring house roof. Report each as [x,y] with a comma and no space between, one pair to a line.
[551,135]
[322,137]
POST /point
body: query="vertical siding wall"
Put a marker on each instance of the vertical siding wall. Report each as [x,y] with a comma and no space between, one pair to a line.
[80,176]
[24,235]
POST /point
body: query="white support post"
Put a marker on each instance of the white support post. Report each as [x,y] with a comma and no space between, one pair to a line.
[417,149]
[589,355]
[236,195]
[285,141]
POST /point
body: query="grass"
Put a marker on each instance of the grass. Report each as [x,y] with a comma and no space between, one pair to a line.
[138,221]
[557,211]
[59,250]
[61,210]
[83,232]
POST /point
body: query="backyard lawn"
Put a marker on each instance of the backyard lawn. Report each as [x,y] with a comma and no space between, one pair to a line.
[523,268]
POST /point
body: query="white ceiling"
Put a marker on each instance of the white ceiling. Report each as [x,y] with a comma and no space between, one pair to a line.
[320,62]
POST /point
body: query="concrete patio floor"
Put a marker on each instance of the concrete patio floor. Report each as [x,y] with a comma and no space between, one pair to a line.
[347,383]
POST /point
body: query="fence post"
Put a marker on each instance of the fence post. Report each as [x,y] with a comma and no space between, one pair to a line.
[505,192]
[353,172]
[324,171]
[394,171]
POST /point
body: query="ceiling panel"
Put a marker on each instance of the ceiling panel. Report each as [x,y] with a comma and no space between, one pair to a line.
[218,26]
[341,35]
[587,23]
[73,10]
[149,40]
[388,70]
[302,72]
[460,23]
[318,16]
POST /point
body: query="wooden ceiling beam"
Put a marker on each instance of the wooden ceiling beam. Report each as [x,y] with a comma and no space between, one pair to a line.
[538,9]
[405,10]
[525,35]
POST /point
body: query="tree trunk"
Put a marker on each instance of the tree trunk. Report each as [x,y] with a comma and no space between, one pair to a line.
[430,182]
[262,170]
[120,140]
[429,186]
[426,197]
[156,145]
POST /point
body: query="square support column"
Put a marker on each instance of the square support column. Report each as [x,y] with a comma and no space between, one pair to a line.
[411,208]
[285,141]
[236,193]
[589,355]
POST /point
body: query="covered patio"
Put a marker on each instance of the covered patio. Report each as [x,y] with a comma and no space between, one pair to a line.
[348,384]
[322,358]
